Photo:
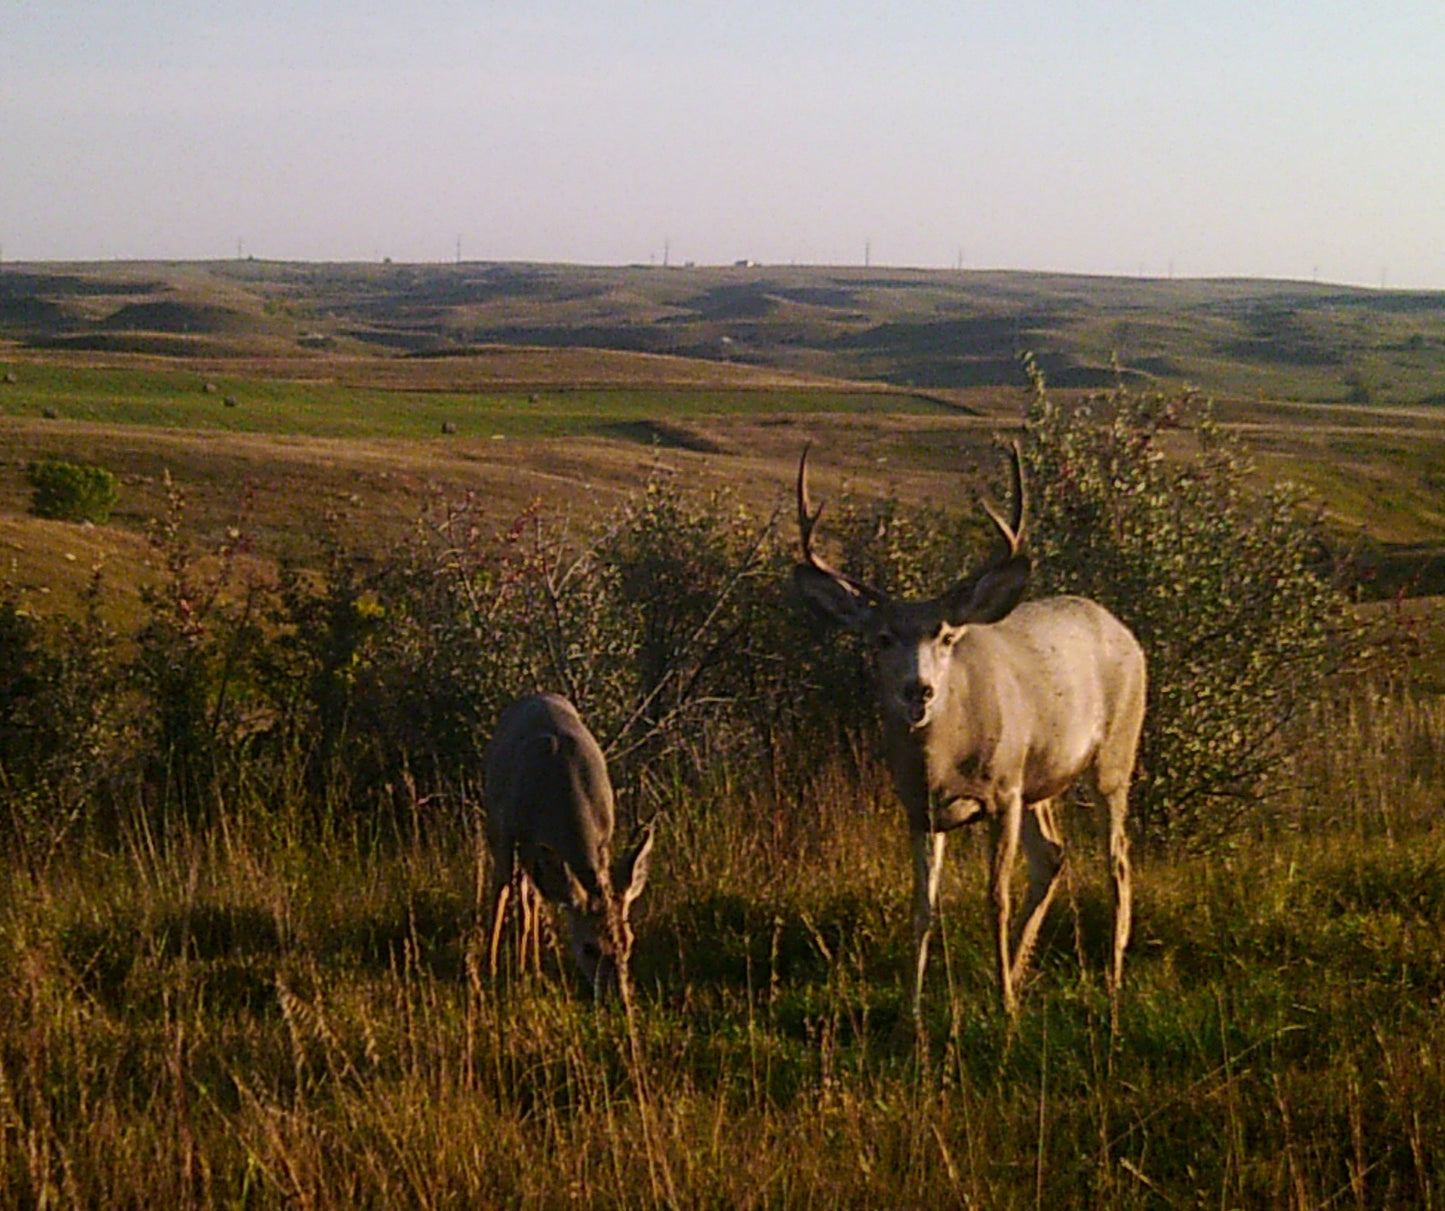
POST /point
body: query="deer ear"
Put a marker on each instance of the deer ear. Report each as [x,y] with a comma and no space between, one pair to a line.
[556,880]
[989,596]
[830,597]
[629,874]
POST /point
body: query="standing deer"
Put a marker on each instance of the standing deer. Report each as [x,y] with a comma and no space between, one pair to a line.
[991,709]
[550,818]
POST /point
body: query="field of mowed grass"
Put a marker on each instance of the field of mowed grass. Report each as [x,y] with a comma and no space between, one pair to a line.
[274,1012]
[184,399]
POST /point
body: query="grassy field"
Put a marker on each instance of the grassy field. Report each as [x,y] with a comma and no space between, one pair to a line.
[262,1015]
[283,1005]
[162,396]
[900,374]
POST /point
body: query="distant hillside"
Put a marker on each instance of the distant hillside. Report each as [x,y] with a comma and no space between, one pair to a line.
[930,329]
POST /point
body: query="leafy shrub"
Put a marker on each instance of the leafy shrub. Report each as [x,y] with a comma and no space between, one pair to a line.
[392,671]
[66,726]
[643,621]
[195,663]
[688,579]
[391,674]
[71,491]
[1224,585]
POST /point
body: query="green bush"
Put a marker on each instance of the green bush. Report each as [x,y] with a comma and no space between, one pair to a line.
[71,491]
[645,621]
[66,726]
[1225,585]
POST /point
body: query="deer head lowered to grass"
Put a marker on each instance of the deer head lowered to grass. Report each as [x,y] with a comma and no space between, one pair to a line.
[550,818]
[991,709]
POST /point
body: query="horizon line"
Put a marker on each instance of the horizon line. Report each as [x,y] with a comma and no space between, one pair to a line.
[871,269]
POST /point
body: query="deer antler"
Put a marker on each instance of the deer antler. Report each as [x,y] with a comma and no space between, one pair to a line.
[807,520]
[1012,531]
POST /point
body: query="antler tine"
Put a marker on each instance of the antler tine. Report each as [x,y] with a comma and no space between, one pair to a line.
[807,521]
[1013,530]
[807,516]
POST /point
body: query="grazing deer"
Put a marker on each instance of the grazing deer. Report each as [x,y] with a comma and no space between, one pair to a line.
[991,709]
[550,818]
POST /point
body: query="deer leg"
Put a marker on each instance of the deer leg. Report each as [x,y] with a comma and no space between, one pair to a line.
[1118,800]
[927,868]
[1044,854]
[529,944]
[500,892]
[1006,826]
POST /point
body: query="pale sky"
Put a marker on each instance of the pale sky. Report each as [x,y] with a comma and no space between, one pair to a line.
[1260,138]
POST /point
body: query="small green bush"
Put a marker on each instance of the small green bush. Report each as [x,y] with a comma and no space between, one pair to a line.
[71,491]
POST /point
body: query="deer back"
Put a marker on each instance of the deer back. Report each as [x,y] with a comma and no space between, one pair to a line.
[547,788]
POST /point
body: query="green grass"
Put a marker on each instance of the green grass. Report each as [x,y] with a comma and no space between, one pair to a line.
[267,1014]
[181,399]
[1387,484]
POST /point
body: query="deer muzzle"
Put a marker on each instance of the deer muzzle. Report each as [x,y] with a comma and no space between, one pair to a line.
[916,699]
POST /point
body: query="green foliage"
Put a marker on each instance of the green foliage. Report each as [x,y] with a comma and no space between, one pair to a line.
[647,622]
[1225,586]
[66,727]
[71,491]
[193,661]
[690,584]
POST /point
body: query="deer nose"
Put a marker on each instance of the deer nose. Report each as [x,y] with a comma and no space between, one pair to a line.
[916,697]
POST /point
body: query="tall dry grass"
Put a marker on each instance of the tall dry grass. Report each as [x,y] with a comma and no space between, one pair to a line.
[258,1016]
